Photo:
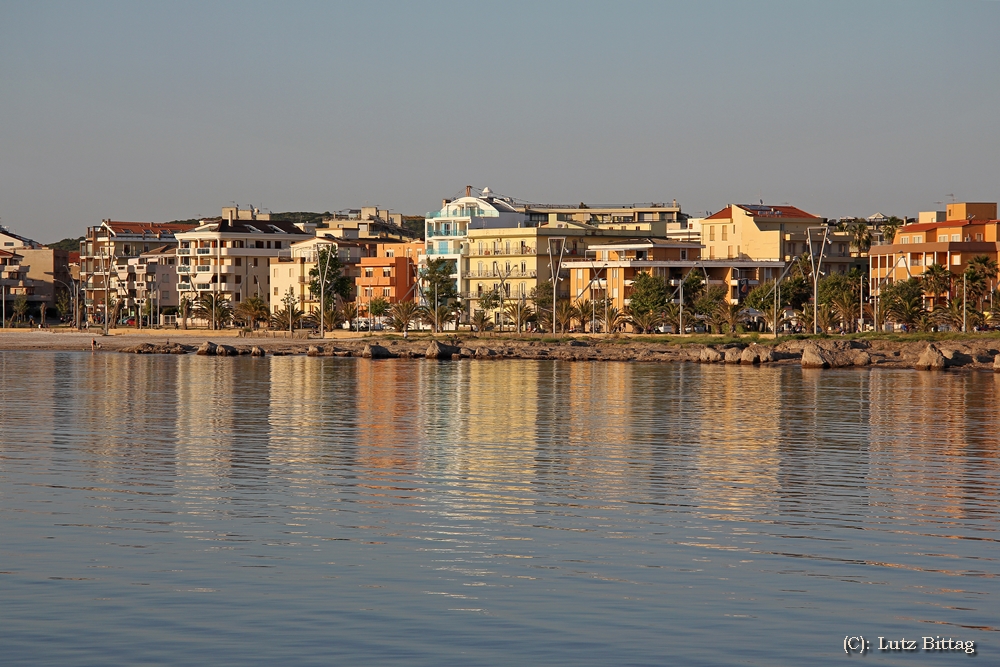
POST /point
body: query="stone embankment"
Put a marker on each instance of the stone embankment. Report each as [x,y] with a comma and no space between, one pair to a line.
[808,353]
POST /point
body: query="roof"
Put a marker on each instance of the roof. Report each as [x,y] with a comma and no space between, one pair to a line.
[645,242]
[924,226]
[162,250]
[249,227]
[26,241]
[7,253]
[152,228]
[762,211]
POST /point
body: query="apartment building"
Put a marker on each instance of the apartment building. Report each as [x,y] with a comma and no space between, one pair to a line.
[105,271]
[970,230]
[609,270]
[289,270]
[229,257]
[390,273]
[47,269]
[775,233]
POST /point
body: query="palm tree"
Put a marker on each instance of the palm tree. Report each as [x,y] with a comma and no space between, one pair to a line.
[518,313]
[20,308]
[643,322]
[481,321]
[401,315]
[287,318]
[827,317]
[350,312]
[845,306]
[184,310]
[616,319]
[565,313]
[437,317]
[908,311]
[953,315]
[252,311]
[672,316]
[727,316]
[889,229]
[218,311]
[861,236]
[937,280]
[584,311]
[980,272]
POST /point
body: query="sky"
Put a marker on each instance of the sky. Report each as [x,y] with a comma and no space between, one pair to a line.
[165,111]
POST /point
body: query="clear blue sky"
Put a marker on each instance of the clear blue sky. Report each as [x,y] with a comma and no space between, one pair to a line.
[160,111]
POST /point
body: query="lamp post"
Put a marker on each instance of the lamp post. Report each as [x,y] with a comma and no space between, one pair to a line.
[815,267]
[76,304]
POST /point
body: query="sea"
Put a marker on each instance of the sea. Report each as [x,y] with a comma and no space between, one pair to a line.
[182,510]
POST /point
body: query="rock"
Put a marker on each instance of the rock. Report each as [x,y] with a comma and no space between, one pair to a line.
[754,354]
[931,359]
[862,359]
[257,351]
[466,353]
[207,349]
[996,364]
[438,350]
[733,355]
[812,357]
[456,356]
[314,351]
[579,343]
[710,355]
[225,351]
[485,353]
[376,352]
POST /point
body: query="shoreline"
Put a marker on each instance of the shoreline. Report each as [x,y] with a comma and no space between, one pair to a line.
[972,351]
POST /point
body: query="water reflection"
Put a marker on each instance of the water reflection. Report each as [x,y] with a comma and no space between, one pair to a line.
[547,496]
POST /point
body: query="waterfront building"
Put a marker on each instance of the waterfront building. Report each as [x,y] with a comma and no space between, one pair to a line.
[609,270]
[390,273]
[366,223]
[290,269]
[229,257]
[968,230]
[105,251]
[46,269]
[775,233]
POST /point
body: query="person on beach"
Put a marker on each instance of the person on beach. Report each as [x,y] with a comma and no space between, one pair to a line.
[93,344]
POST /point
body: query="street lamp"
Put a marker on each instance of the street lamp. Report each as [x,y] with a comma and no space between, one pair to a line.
[76,295]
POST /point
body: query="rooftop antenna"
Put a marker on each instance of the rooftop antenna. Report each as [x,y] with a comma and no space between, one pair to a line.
[952,197]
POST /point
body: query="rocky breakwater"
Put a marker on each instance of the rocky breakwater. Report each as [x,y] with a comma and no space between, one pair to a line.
[158,348]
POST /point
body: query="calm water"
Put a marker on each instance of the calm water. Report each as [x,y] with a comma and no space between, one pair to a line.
[291,510]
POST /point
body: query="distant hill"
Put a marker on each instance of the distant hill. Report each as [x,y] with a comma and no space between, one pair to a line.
[72,245]
[299,217]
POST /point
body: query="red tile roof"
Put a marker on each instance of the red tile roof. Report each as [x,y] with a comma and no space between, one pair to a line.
[120,227]
[763,211]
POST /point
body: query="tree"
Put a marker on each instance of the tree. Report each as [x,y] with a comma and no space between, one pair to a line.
[710,299]
[481,321]
[904,301]
[643,321]
[378,307]
[979,273]
[437,317]
[727,316]
[184,310]
[289,316]
[649,294]
[519,313]
[861,236]
[585,311]
[937,280]
[541,296]
[217,310]
[327,277]
[796,291]
[694,285]
[890,227]
[438,287]
[252,311]
[847,307]
[20,308]
[350,312]
[616,319]
[564,314]
[401,315]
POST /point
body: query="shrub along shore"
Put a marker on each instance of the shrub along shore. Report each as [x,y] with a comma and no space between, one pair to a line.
[921,351]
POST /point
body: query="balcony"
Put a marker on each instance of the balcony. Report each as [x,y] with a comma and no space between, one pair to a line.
[184,268]
[204,251]
[184,251]
[432,233]
[181,287]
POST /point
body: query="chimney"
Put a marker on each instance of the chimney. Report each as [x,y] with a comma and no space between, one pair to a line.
[468,190]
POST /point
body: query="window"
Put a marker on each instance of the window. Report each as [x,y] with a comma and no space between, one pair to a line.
[275,291]
[368,292]
[255,261]
[942,238]
[725,237]
[276,273]
[369,272]
[239,261]
[904,240]
[239,279]
[956,237]
[386,272]
[387,292]
[711,232]
[289,273]
[684,254]
[979,237]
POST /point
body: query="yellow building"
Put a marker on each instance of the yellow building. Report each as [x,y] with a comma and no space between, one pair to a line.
[774,233]
[290,270]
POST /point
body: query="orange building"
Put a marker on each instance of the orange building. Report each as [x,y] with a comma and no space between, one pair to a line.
[390,274]
[971,230]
